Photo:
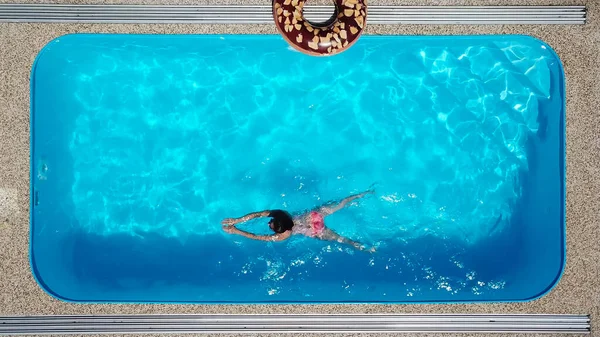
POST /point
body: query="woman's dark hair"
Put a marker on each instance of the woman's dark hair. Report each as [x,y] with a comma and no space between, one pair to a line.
[282,221]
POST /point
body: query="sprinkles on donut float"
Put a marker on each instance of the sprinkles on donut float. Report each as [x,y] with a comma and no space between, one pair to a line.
[334,36]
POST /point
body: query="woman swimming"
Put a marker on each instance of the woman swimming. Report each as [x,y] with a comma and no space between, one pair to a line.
[311,224]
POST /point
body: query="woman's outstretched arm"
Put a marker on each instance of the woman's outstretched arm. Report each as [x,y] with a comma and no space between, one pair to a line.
[247,217]
[273,237]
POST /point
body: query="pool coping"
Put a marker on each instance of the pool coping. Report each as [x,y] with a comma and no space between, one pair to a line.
[260,14]
[336,323]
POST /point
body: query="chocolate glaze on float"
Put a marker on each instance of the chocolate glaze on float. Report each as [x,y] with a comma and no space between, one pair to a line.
[332,37]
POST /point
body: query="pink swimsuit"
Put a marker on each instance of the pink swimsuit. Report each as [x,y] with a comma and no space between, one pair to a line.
[314,227]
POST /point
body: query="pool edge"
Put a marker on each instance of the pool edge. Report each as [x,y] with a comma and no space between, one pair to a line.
[552,285]
[563,176]
[32,265]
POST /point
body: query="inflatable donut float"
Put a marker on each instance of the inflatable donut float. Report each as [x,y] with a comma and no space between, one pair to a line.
[334,36]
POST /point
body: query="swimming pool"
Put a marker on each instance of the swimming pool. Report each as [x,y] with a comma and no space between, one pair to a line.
[142,144]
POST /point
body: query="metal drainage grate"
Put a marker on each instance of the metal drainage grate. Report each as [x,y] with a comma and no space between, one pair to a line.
[376,323]
[245,14]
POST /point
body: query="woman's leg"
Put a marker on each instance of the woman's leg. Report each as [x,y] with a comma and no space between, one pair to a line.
[330,235]
[330,209]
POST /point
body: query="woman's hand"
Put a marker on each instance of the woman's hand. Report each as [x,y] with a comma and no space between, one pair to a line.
[230,229]
[229,222]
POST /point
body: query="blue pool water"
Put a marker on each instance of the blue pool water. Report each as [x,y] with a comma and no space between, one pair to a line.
[141,145]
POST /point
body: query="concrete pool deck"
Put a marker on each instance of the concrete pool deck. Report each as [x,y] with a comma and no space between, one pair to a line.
[577,46]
